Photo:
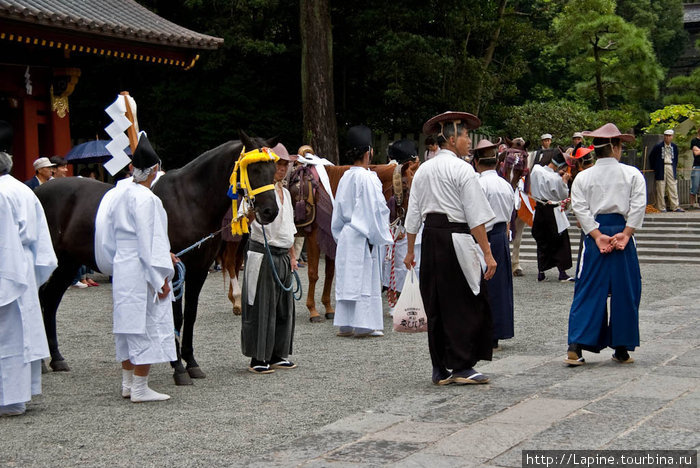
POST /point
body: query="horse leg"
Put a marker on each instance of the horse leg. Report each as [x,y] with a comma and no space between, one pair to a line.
[180,374]
[50,295]
[327,284]
[240,257]
[194,282]
[313,252]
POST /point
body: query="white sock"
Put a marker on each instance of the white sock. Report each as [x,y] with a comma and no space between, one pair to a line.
[127,382]
[140,391]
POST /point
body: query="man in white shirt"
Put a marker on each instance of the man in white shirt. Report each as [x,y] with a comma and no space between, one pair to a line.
[501,198]
[447,198]
[267,327]
[609,201]
[549,188]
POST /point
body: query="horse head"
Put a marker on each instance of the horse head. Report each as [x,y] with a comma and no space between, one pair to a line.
[260,175]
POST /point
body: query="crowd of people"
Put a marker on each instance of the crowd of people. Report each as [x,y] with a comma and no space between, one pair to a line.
[465,207]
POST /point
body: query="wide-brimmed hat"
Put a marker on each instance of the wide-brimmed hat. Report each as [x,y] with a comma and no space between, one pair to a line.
[280,150]
[609,130]
[582,151]
[42,163]
[434,124]
[486,144]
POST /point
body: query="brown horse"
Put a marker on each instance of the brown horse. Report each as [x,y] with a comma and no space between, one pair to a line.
[318,237]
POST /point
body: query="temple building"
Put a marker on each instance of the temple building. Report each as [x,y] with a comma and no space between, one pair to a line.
[41,45]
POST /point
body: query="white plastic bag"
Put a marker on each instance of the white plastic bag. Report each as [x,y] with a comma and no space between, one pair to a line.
[409,313]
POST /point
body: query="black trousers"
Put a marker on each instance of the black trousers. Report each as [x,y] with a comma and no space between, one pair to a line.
[459,323]
[553,249]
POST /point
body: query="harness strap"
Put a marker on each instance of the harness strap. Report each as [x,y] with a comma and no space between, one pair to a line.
[262,189]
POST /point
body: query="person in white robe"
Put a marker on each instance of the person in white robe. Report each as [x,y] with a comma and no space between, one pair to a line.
[360,226]
[27,260]
[142,271]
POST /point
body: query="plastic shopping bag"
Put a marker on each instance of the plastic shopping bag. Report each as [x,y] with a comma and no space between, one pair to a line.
[409,313]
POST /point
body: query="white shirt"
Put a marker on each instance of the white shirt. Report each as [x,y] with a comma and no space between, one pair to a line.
[609,187]
[280,232]
[500,195]
[547,185]
[446,184]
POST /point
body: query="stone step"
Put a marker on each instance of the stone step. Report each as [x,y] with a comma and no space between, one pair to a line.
[641,250]
[531,257]
[642,242]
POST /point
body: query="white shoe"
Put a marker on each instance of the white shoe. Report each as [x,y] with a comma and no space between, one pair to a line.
[141,392]
[79,285]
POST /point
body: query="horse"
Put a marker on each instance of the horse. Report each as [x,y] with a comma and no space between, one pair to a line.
[195,200]
[396,181]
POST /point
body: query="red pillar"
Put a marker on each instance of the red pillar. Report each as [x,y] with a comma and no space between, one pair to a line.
[28,144]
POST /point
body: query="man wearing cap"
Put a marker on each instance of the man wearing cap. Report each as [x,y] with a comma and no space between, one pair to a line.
[501,198]
[142,271]
[43,171]
[360,226]
[447,198]
[549,188]
[267,326]
[26,263]
[609,201]
[664,161]
[576,141]
[61,169]
[546,139]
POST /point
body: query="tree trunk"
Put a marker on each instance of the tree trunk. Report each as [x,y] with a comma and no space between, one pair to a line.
[599,77]
[318,104]
[488,54]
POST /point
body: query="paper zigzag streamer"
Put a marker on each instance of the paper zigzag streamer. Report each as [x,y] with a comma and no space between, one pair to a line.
[115,130]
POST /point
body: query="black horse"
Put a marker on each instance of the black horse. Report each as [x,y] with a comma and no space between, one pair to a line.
[195,199]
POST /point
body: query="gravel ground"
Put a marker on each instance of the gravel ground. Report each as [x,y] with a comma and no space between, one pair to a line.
[232,415]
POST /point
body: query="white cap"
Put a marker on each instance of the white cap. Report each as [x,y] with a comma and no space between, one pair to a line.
[546,136]
[42,162]
[577,135]
[668,132]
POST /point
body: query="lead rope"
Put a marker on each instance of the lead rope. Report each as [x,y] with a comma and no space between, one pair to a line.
[392,296]
[276,275]
[180,266]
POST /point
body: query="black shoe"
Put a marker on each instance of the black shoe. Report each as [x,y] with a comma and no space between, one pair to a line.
[259,367]
[540,276]
[281,363]
[574,355]
[468,377]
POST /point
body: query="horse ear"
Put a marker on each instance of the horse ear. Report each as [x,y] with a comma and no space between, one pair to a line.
[509,142]
[247,141]
[272,142]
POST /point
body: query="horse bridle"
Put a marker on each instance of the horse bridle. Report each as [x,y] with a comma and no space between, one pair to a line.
[241,183]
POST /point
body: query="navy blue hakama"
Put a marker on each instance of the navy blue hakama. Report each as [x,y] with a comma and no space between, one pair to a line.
[616,274]
[500,287]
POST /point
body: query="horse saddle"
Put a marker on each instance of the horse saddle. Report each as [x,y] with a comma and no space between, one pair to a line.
[302,188]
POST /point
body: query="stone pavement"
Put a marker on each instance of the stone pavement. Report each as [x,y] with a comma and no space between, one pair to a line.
[533,402]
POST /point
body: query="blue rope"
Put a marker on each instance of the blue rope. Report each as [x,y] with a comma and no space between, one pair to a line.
[277,278]
[179,283]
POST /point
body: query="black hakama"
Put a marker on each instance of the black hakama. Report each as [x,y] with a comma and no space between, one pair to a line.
[553,249]
[267,327]
[459,323]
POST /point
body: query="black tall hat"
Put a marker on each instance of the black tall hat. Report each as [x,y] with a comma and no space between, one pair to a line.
[144,155]
[5,136]
[359,137]
[558,159]
[403,150]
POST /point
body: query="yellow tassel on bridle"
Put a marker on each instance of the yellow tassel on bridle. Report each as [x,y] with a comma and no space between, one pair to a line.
[239,225]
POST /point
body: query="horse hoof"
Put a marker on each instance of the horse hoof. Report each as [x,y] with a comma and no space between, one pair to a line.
[236,310]
[330,315]
[182,378]
[315,319]
[44,369]
[196,373]
[59,366]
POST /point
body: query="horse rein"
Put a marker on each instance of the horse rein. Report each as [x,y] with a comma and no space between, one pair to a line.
[239,225]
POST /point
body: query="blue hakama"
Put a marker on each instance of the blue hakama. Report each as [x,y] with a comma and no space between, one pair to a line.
[500,287]
[616,274]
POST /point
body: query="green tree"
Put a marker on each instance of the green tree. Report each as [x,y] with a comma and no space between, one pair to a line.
[609,58]
[664,21]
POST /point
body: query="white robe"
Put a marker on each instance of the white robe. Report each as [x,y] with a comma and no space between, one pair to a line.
[360,218]
[27,260]
[143,324]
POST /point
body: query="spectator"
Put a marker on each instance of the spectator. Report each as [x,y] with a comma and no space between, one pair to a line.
[43,171]
[663,159]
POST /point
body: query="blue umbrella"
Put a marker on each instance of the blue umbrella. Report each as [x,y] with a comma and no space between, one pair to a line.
[91,152]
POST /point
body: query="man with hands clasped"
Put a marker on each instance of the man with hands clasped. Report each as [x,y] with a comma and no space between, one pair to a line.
[609,201]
